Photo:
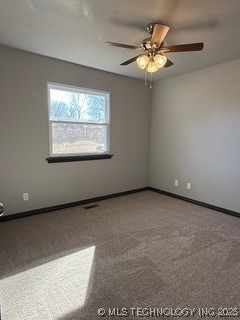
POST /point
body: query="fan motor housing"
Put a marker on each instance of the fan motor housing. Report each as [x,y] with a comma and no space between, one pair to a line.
[146,44]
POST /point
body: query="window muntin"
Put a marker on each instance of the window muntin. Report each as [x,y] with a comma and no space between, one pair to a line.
[78,121]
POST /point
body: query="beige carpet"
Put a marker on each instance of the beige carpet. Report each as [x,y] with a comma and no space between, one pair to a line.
[138,251]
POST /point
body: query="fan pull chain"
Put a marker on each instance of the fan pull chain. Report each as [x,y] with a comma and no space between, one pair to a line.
[150,81]
[146,76]
[150,85]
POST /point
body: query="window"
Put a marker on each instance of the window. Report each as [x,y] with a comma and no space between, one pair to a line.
[78,121]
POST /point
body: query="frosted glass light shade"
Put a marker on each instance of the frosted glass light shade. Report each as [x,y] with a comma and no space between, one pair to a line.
[152,66]
[160,60]
[142,61]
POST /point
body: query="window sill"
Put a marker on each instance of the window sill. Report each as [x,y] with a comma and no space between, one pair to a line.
[79,158]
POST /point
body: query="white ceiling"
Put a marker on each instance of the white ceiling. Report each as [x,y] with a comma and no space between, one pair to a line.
[76,30]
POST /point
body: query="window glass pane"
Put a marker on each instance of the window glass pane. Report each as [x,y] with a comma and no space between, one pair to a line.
[69,138]
[77,105]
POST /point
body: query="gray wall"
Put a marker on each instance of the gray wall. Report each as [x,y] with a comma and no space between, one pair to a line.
[195,135]
[24,134]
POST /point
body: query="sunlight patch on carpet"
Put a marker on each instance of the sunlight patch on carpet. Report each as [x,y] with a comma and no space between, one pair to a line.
[50,290]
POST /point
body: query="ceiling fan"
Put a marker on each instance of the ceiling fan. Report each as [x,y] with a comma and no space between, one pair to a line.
[153,56]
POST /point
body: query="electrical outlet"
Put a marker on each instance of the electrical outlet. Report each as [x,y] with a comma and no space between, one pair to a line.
[25,197]
[188,185]
[176,183]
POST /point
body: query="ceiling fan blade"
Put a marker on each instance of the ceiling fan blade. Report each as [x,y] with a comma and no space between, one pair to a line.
[183,47]
[159,33]
[125,63]
[169,63]
[122,45]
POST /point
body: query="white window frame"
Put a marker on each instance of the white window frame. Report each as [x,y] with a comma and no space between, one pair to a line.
[52,85]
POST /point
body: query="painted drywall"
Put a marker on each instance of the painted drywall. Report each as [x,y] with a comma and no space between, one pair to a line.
[24,144]
[195,135]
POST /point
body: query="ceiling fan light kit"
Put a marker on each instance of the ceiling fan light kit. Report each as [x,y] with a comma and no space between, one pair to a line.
[153,57]
[151,64]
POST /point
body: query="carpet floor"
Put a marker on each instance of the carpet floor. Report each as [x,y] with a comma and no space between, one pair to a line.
[143,251]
